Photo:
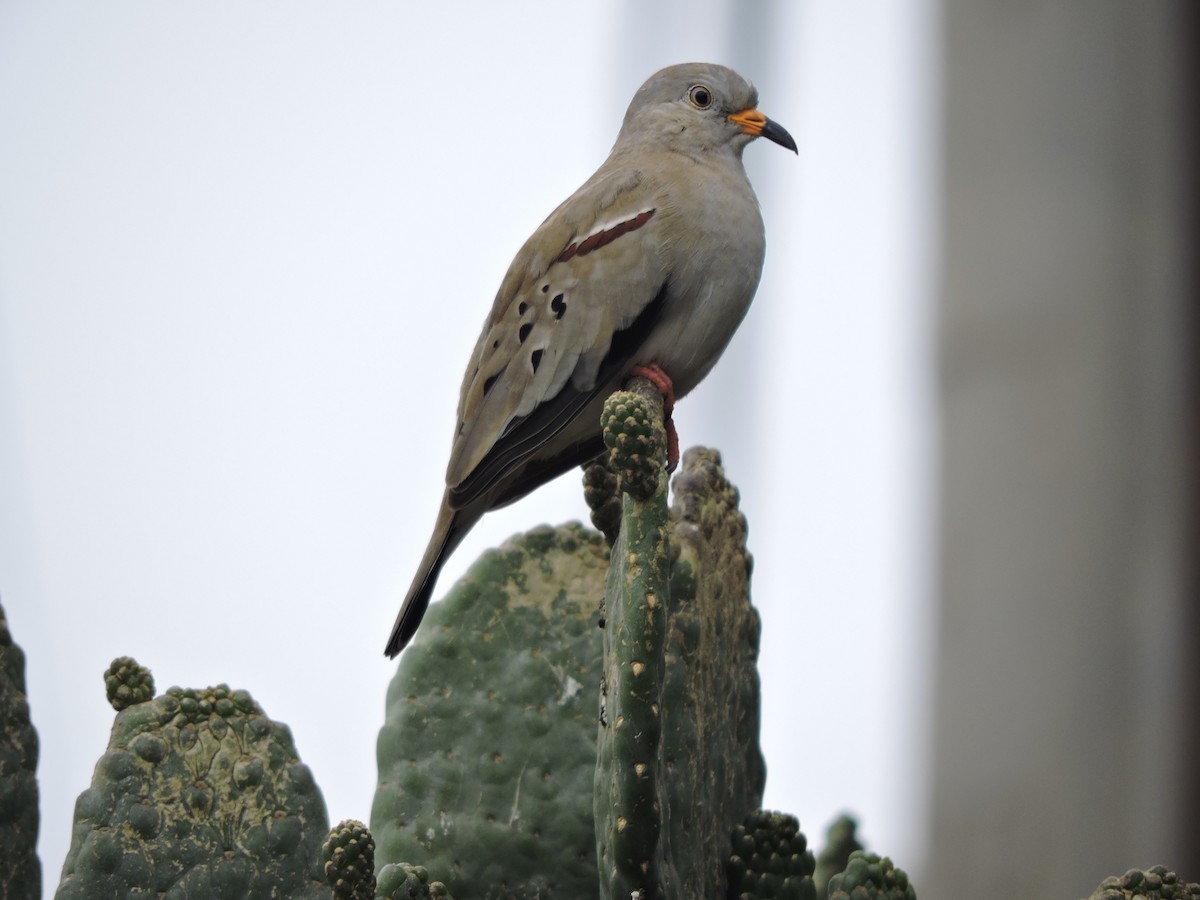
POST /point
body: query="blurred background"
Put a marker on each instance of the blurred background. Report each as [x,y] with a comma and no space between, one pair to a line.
[245,251]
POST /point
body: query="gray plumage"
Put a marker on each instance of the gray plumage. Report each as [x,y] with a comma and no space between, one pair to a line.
[654,260]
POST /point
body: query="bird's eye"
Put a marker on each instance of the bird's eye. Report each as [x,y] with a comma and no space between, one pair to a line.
[700,96]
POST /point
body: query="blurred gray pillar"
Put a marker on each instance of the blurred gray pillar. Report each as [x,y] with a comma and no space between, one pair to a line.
[1064,745]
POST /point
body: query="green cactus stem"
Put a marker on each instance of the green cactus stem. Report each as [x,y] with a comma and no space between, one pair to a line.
[628,809]
[713,767]
[487,753]
[199,795]
[678,763]
[20,869]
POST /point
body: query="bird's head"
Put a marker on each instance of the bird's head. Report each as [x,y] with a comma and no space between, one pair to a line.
[698,108]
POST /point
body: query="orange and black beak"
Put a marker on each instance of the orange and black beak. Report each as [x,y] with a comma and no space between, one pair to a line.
[753,122]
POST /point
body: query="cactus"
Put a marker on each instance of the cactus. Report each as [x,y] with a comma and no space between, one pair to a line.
[770,859]
[349,854]
[200,795]
[602,494]
[679,765]
[870,877]
[126,683]
[400,881]
[20,869]
[628,805]
[497,772]
[1156,883]
[487,753]
[716,772]
[841,840]
[632,429]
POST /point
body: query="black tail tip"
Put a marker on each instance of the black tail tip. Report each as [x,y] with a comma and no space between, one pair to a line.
[412,610]
[406,625]
[395,645]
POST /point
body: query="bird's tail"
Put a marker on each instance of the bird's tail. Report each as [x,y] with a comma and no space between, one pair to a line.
[447,533]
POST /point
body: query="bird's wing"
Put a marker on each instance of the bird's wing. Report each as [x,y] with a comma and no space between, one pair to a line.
[575,305]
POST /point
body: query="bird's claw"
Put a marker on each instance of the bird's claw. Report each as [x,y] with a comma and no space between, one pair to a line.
[663,384]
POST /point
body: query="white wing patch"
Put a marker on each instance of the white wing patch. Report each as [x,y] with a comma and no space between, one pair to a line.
[605,234]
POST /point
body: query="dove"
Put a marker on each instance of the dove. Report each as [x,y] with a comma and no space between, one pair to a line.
[648,268]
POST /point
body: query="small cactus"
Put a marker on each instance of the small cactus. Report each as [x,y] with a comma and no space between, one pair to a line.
[633,434]
[770,858]
[401,881]
[841,840]
[602,494]
[1155,883]
[349,854]
[870,877]
[127,683]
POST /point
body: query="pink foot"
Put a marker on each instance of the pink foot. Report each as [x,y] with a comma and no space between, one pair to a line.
[672,444]
[662,382]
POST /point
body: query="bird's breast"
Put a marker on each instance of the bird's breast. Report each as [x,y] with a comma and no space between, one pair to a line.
[714,245]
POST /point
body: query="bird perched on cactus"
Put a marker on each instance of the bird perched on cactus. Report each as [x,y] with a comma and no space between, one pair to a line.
[647,269]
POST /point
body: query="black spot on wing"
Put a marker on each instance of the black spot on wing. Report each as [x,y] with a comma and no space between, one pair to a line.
[558,305]
[524,332]
[505,467]
[535,359]
[491,382]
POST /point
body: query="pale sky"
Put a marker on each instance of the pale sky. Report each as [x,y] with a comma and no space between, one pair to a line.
[245,251]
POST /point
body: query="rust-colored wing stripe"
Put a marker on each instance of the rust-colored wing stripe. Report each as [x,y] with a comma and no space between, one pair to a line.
[605,236]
